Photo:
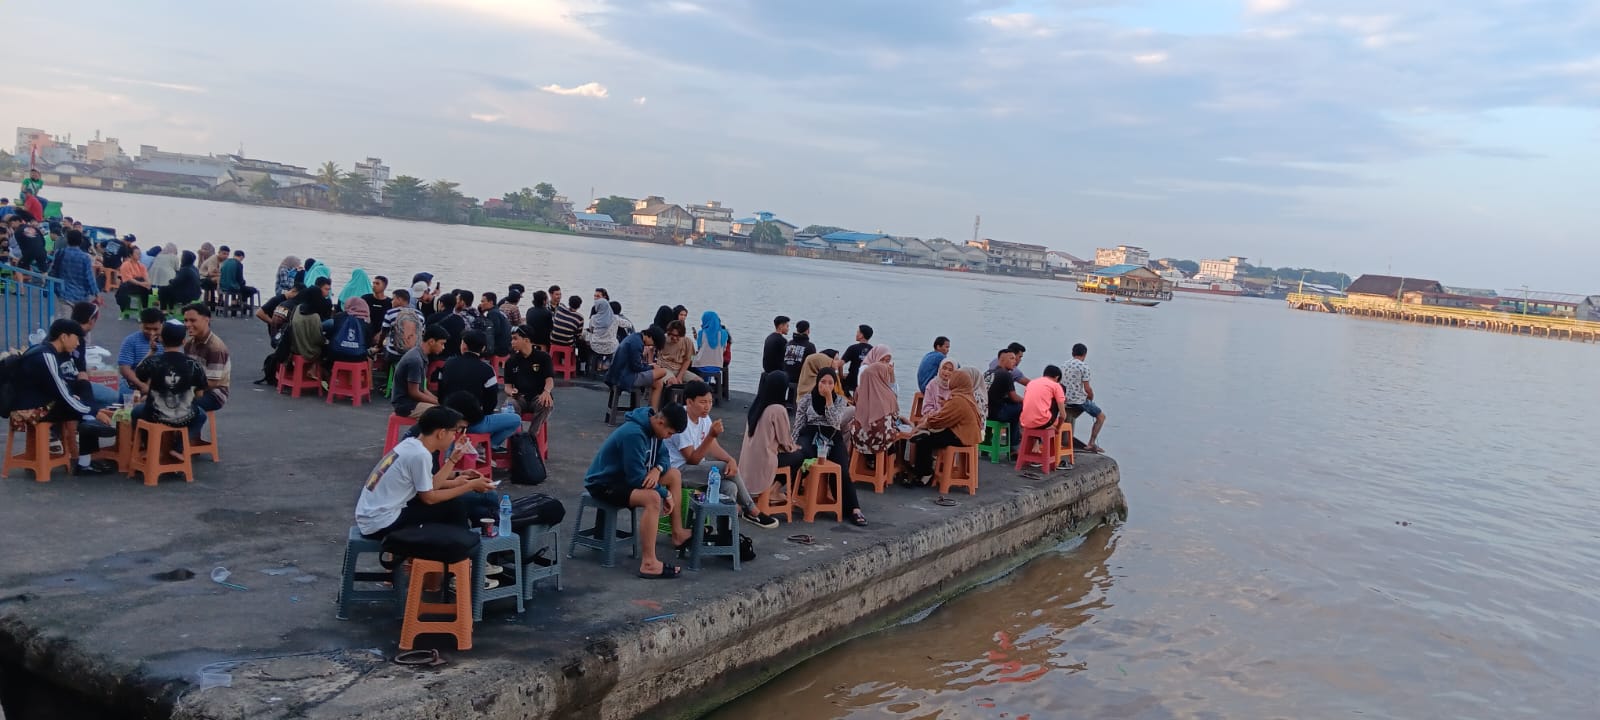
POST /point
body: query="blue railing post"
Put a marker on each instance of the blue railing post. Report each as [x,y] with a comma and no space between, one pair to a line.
[27,303]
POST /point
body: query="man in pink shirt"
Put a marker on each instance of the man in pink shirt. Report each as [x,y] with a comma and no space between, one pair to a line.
[1043,401]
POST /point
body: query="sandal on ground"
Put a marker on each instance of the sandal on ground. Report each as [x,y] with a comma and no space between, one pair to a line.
[943,501]
[668,572]
[802,539]
[418,658]
[858,519]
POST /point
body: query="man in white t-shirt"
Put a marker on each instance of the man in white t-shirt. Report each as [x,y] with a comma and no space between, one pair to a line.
[1080,394]
[690,449]
[403,489]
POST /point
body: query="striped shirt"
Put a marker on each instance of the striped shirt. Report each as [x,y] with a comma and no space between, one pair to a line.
[566,327]
[213,356]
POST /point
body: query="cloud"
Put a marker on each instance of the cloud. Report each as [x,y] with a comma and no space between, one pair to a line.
[588,89]
[1267,7]
[490,118]
[1021,23]
[640,100]
[1153,58]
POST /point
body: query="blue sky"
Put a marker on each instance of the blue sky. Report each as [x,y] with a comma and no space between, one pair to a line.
[1450,140]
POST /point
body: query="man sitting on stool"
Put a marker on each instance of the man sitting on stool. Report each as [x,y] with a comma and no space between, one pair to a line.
[405,490]
[529,381]
[693,449]
[632,469]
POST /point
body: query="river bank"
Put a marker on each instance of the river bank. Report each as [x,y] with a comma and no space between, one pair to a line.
[88,616]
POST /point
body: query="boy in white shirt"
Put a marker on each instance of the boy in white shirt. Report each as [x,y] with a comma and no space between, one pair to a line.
[698,442]
[403,490]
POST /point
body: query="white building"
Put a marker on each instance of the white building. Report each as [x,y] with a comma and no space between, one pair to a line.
[712,218]
[1221,270]
[376,173]
[1121,255]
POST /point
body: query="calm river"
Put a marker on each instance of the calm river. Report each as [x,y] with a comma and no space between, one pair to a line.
[1330,517]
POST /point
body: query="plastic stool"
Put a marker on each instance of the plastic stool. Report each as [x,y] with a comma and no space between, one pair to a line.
[35,453]
[209,447]
[534,539]
[499,544]
[564,361]
[1038,446]
[541,438]
[956,466]
[352,380]
[615,395]
[483,458]
[916,413]
[602,535]
[135,306]
[297,379]
[1064,447]
[672,395]
[766,502]
[698,514]
[459,625]
[354,547]
[819,491]
[879,474]
[996,441]
[498,362]
[712,377]
[392,437]
[150,456]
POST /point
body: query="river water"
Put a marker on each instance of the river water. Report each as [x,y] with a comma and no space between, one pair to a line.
[1330,517]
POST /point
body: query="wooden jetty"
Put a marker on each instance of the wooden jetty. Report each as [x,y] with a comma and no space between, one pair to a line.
[1562,328]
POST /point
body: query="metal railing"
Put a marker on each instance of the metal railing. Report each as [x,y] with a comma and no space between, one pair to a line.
[27,303]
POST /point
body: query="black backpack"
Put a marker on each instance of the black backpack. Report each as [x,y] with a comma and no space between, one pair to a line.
[10,375]
[536,509]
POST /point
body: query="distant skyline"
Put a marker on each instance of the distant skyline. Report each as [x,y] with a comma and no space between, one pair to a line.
[1455,141]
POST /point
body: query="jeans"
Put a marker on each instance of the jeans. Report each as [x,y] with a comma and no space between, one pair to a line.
[208,402]
[1010,413]
[499,426]
[101,396]
[461,511]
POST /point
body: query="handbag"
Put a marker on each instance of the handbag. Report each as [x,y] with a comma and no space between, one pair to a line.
[527,468]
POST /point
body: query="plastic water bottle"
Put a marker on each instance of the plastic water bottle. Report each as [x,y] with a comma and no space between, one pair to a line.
[510,407]
[714,486]
[505,516]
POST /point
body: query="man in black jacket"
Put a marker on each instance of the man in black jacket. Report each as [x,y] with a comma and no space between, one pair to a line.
[772,350]
[447,318]
[470,373]
[40,384]
[496,325]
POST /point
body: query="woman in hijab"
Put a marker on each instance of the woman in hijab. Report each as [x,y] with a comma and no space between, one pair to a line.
[315,270]
[815,363]
[682,314]
[956,423]
[305,333]
[819,421]
[875,428]
[664,317]
[979,395]
[358,286]
[184,287]
[709,344]
[938,389]
[768,443]
[165,267]
[602,332]
[287,270]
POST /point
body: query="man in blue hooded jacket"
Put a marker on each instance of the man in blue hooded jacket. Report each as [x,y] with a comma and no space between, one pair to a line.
[633,469]
[631,368]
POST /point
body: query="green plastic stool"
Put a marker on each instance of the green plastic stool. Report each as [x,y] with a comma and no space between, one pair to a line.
[135,306]
[665,525]
[996,441]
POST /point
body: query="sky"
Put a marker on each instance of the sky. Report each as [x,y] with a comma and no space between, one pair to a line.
[1449,140]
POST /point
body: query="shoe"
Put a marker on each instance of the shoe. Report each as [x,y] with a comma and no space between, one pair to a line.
[92,469]
[762,521]
[97,428]
[263,381]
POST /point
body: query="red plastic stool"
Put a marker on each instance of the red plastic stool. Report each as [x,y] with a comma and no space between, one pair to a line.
[352,380]
[297,378]
[1037,446]
[498,362]
[542,437]
[480,442]
[564,360]
[392,438]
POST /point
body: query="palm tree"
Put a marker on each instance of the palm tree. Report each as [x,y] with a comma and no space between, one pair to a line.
[354,194]
[329,174]
[405,195]
[445,200]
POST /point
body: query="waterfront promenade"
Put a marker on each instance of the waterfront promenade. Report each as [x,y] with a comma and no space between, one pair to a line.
[87,630]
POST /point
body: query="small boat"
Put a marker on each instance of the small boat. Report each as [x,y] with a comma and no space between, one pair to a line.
[886,261]
[1130,301]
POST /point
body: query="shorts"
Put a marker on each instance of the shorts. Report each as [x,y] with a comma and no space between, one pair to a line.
[644,379]
[612,494]
[1087,407]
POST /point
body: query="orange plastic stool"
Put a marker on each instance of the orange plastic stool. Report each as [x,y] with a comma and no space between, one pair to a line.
[352,380]
[35,453]
[121,452]
[564,360]
[916,410]
[1064,444]
[1037,446]
[460,623]
[210,447]
[819,492]
[150,456]
[767,502]
[956,467]
[878,476]
[297,379]
[392,437]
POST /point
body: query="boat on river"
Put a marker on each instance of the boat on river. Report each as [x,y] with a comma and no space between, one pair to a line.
[1117,300]
[1208,286]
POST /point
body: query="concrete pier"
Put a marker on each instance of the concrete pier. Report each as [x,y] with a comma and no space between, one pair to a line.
[83,615]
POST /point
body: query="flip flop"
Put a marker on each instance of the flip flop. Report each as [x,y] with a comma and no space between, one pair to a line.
[802,540]
[418,658]
[857,519]
[668,572]
[943,501]
[1031,475]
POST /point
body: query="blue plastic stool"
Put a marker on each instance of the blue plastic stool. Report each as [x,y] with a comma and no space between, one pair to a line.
[602,535]
[355,546]
[505,543]
[699,513]
[534,539]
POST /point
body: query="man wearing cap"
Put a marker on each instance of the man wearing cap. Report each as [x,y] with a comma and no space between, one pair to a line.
[633,469]
[43,395]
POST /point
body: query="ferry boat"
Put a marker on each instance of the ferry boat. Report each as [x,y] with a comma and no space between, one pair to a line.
[1208,287]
